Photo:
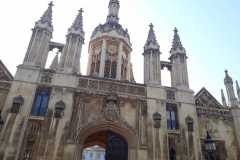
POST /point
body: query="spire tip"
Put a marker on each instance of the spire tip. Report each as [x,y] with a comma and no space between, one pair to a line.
[81,10]
[51,4]
[151,25]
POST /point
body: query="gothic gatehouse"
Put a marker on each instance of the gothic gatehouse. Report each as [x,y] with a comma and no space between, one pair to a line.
[57,113]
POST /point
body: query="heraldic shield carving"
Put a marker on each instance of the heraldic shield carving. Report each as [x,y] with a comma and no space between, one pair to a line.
[111,110]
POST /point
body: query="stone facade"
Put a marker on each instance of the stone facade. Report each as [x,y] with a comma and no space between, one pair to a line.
[5,83]
[55,113]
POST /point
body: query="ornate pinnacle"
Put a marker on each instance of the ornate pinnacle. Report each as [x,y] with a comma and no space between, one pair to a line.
[47,16]
[237,86]
[113,9]
[77,26]
[78,22]
[227,78]
[176,44]
[223,98]
[151,42]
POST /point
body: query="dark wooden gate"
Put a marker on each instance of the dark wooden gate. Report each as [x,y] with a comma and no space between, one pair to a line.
[117,147]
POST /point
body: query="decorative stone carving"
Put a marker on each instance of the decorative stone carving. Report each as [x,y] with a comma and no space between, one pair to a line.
[170,95]
[47,76]
[111,110]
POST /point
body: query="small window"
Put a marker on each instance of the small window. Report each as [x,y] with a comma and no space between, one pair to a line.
[172,116]
[189,122]
[17,103]
[59,109]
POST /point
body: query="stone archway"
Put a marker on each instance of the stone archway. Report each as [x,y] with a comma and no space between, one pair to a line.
[98,134]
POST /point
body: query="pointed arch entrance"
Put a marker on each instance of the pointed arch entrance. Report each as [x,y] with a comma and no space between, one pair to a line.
[119,142]
[116,147]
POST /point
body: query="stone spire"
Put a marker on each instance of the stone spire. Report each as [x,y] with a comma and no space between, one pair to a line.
[77,26]
[224,102]
[47,16]
[113,10]
[232,100]
[238,90]
[177,44]
[46,19]
[178,58]
[151,42]
[227,79]
[152,63]
[38,48]
[70,58]
[54,64]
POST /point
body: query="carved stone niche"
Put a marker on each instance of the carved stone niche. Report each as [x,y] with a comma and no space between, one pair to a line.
[190,124]
[17,103]
[157,119]
[111,110]
[59,109]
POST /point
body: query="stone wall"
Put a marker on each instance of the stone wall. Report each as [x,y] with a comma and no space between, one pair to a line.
[221,129]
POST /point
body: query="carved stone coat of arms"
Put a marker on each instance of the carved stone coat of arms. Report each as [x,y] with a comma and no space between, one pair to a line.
[111,110]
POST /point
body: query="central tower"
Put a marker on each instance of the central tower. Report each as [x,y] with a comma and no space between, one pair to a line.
[110,48]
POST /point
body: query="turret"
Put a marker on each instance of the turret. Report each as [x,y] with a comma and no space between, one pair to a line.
[70,58]
[113,10]
[110,48]
[232,100]
[38,48]
[152,66]
[178,58]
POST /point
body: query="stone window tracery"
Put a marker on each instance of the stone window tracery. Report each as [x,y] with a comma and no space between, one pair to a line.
[96,57]
[111,63]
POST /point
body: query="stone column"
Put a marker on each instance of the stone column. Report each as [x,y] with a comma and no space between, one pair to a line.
[103,58]
[151,67]
[129,67]
[119,61]
[90,54]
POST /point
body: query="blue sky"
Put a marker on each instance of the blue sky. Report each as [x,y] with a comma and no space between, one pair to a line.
[209,30]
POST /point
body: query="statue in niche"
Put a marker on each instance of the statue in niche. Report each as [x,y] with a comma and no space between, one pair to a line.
[111,110]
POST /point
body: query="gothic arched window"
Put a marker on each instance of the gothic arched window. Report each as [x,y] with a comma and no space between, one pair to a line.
[107,69]
[17,103]
[40,103]
[113,69]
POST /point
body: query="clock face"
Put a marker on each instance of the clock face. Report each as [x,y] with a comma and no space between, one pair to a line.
[112,49]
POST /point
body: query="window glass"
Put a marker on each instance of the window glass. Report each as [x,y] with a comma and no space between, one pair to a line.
[40,103]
